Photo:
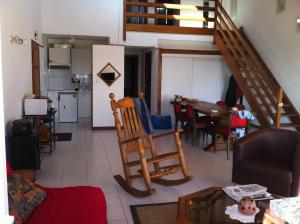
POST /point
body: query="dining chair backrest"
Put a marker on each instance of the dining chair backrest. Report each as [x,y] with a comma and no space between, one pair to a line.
[221,103]
[240,106]
[237,122]
[190,112]
[177,108]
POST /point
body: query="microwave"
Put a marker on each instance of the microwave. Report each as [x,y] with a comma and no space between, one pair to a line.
[35,106]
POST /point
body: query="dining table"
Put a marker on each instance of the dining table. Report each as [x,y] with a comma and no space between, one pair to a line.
[210,109]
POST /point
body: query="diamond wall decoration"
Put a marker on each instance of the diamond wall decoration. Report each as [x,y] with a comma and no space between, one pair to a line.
[109,74]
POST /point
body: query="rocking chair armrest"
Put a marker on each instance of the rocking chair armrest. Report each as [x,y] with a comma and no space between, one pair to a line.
[166,133]
[129,140]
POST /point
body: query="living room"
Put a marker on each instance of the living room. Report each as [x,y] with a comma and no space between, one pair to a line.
[274,35]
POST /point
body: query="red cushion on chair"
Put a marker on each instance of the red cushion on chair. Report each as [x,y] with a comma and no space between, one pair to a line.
[189,112]
[236,121]
[71,205]
[204,120]
[8,169]
[177,108]
[240,106]
[221,103]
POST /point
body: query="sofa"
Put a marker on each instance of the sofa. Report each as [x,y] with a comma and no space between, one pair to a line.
[70,205]
[30,203]
[269,157]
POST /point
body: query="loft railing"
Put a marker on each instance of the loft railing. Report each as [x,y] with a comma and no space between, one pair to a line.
[148,17]
[264,95]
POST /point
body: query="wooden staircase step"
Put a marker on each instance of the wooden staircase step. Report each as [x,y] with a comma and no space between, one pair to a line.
[289,125]
[289,115]
[159,158]
[257,126]
[287,105]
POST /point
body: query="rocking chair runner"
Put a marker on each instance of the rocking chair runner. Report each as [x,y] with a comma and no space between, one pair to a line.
[132,139]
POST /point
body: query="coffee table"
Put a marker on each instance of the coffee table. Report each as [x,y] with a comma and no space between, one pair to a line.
[208,207]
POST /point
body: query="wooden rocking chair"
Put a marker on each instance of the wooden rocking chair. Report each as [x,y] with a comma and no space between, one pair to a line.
[133,139]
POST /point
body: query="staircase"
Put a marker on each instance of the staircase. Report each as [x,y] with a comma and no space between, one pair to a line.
[264,94]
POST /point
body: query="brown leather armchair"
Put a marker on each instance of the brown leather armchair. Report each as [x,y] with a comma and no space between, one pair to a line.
[269,157]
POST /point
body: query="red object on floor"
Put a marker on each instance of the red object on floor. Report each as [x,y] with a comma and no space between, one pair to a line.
[71,205]
[8,169]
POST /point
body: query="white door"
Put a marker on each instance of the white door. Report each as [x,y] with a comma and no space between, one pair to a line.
[67,107]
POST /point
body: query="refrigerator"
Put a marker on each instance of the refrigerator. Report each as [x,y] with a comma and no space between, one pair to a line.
[67,107]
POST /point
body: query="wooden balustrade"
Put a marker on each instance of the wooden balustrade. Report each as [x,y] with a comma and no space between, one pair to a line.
[250,66]
[279,107]
[147,27]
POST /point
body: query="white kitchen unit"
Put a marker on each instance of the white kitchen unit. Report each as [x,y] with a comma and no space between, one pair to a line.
[59,57]
[67,107]
[84,104]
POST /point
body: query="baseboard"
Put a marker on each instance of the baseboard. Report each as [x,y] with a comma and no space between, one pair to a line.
[103,128]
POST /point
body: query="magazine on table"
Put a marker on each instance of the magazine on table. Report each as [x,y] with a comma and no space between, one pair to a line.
[255,191]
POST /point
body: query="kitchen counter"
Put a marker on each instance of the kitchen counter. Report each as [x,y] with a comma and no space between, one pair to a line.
[84,101]
[71,91]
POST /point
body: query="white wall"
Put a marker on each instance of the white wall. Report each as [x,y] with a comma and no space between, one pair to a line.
[276,39]
[98,18]
[201,77]
[17,18]
[103,54]
[3,178]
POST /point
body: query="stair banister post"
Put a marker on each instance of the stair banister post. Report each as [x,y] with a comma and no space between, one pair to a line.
[279,107]
[215,20]
[124,19]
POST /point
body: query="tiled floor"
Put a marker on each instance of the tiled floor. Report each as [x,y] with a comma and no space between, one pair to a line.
[92,158]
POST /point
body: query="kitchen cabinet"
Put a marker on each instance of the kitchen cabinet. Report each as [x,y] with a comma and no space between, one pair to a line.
[68,107]
[84,104]
[59,57]
[81,61]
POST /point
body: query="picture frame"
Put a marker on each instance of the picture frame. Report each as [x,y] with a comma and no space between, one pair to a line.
[109,74]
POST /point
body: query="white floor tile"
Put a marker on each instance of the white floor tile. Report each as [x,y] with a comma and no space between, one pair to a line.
[115,212]
[93,157]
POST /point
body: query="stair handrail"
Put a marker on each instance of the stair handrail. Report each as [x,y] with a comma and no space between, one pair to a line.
[244,43]
[279,107]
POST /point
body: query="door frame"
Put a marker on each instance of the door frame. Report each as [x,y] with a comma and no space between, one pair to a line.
[36,80]
[136,75]
[148,78]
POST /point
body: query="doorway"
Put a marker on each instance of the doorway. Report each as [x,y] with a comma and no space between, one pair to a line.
[131,75]
[138,71]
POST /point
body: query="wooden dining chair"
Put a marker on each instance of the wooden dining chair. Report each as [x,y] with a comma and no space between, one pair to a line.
[197,123]
[180,115]
[132,139]
[226,128]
